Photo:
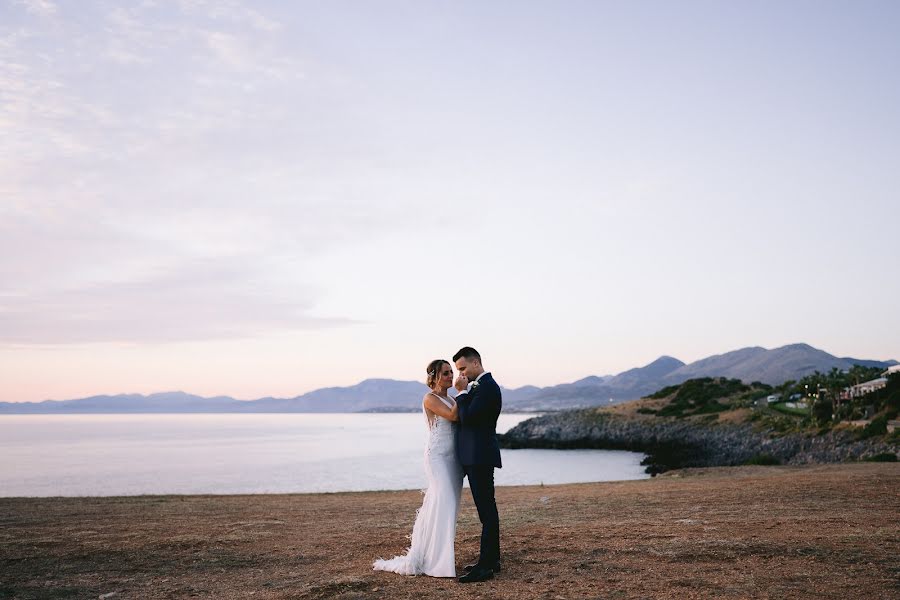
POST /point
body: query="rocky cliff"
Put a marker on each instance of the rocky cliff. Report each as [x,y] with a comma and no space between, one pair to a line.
[674,443]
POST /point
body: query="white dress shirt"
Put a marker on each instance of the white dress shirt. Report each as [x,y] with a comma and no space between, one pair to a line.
[471,383]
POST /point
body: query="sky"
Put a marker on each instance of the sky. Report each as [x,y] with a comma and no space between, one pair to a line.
[265,198]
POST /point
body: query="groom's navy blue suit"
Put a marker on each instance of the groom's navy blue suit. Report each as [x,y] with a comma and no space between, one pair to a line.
[479,454]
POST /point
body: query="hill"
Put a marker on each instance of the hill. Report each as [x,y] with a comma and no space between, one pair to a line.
[753,364]
[713,422]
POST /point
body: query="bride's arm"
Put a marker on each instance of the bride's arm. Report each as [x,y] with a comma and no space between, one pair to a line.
[439,408]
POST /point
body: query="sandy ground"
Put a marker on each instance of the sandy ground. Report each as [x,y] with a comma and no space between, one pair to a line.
[744,532]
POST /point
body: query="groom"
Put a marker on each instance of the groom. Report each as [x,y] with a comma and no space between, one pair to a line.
[476,445]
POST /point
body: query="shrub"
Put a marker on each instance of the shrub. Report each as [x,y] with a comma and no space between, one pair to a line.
[893,397]
[883,457]
[822,410]
[666,391]
[878,426]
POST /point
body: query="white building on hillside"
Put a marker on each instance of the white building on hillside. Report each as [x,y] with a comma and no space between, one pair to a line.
[855,391]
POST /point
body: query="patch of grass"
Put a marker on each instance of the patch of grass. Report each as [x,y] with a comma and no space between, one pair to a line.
[787,410]
[331,589]
[780,424]
[783,408]
[883,457]
[704,396]
[763,459]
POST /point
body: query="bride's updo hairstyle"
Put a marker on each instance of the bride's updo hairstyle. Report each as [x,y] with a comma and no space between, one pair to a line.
[434,370]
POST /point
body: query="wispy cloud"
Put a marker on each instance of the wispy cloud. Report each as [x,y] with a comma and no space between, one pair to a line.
[200,300]
[42,8]
[230,50]
[185,201]
[230,11]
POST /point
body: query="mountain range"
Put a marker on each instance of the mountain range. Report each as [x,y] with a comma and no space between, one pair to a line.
[773,366]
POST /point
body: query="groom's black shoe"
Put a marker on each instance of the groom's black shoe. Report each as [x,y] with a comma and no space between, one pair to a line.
[468,568]
[477,574]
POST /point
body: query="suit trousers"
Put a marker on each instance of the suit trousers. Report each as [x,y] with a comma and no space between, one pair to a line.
[481,482]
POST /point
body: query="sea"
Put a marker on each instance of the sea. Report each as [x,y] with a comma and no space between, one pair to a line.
[121,455]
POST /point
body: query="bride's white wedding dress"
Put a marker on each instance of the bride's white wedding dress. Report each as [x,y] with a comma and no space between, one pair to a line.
[431,551]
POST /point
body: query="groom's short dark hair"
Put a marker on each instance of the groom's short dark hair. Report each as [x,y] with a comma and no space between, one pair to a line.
[468,353]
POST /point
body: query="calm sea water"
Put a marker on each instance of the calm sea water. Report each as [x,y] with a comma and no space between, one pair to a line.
[111,455]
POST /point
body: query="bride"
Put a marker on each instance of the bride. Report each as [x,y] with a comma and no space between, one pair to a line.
[431,549]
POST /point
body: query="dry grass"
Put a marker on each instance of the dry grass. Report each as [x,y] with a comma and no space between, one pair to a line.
[735,416]
[749,532]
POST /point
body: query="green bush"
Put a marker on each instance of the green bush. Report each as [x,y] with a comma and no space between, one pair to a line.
[822,410]
[883,457]
[666,391]
[878,426]
[893,394]
[701,396]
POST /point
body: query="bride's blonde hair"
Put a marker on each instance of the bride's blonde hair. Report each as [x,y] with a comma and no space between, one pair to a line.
[433,371]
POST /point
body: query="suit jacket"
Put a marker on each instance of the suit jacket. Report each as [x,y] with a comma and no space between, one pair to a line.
[476,436]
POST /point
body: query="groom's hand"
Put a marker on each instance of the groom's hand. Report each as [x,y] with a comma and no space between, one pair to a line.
[461,382]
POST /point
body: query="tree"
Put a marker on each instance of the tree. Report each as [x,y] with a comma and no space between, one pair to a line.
[822,410]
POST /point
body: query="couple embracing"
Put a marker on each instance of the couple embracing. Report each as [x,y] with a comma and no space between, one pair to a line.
[462,441]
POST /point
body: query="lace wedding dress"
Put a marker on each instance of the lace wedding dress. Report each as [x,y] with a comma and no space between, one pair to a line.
[431,551]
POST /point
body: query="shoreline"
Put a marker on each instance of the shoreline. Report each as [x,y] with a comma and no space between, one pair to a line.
[674,444]
[749,532]
[303,494]
[320,493]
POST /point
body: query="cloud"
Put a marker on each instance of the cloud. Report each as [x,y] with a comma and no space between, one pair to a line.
[95,273]
[41,8]
[165,177]
[230,50]
[230,11]
[117,54]
[129,40]
[166,68]
[201,300]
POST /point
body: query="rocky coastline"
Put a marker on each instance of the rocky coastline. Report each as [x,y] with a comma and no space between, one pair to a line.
[678,443]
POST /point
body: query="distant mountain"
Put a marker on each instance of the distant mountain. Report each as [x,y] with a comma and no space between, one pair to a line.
[365,396]
[768,366]
[642,377]
[387,395]
[371,395]
[166,402]
[723,365]
[591,391]
[747,364]
[519,396]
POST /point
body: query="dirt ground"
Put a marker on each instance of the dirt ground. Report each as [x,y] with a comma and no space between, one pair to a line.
[743,532]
